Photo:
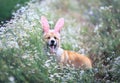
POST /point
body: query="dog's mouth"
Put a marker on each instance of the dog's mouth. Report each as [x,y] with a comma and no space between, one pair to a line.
[52,48]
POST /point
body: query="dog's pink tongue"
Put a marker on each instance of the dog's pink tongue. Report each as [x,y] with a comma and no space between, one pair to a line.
[52,49]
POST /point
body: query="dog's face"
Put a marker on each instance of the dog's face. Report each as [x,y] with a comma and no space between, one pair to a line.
[52,40]
[52,37]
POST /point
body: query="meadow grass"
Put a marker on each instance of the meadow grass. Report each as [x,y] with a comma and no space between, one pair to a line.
[22,55]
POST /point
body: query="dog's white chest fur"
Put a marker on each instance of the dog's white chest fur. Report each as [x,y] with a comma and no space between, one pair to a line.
[59,52]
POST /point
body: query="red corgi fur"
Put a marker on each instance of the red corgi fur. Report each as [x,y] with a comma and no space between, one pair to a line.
[75,59]
[64,57]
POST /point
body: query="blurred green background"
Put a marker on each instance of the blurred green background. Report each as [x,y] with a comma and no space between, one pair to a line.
[9,6]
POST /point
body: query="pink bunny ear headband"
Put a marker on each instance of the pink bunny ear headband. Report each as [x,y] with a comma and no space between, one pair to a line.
[46,27]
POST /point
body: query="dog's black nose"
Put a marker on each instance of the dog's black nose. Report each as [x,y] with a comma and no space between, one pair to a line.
[52,41]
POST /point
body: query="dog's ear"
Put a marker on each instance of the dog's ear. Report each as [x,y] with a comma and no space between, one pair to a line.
[44,23]
[59,25]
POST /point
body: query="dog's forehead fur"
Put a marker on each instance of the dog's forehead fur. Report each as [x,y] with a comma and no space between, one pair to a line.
[52,33]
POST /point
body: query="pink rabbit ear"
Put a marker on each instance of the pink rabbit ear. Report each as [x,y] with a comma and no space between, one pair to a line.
[44,23]
[59,25]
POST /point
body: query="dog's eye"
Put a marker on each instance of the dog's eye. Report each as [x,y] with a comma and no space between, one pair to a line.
[48,37]
[55,37]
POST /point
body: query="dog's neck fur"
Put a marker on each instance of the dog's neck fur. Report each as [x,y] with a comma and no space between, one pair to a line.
[58,53]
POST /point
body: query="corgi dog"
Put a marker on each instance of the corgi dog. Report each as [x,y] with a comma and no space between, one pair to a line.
[64,57]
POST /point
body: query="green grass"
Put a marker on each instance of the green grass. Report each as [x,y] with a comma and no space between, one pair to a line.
[7,7]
